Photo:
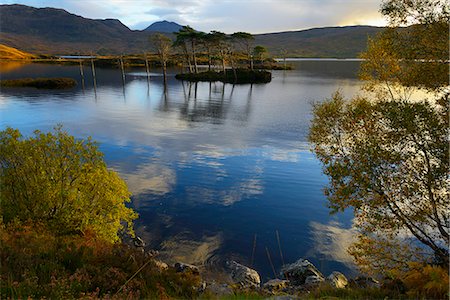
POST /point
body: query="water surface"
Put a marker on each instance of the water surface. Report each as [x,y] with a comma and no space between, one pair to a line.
[209,165]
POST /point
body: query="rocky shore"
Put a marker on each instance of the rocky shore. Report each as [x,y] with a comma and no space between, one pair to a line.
[298,278]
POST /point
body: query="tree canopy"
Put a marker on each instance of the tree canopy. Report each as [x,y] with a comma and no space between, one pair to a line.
[385,154]
[417,56]
[61,183]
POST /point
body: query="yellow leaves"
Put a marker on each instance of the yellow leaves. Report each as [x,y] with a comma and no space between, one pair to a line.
[426,281]
[63,181]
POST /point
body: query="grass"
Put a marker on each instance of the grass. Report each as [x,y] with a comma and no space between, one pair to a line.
[36,264]
[241,76]
[40,83]
[10,53]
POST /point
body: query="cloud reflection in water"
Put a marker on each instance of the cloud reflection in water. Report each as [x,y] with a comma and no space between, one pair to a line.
[331,242]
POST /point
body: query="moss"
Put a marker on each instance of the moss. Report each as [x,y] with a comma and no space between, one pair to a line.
[40,83]
[242,76]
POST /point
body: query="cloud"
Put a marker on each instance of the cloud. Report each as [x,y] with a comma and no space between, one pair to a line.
[150,178]
[163,11]
[184,247]
[331,242]
[225,15]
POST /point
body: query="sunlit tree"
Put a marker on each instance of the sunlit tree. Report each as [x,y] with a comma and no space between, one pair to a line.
[163,46]
[189,38]
[245,41]
[56,181]
[260,52]
[385,154]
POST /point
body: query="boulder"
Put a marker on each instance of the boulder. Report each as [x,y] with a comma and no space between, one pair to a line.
[185,268]
[276,284]
[246,277]
[298,272]
[337,279]
[313,280]
[162,266]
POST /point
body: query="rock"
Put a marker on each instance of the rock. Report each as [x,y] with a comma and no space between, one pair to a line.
[152,253]
[202,287]
[183,268]
[365,282]
[219,289]
[298,272]
[138,242]
[276,284]
[313,280]
[162,266]
[246,277]
[338,280]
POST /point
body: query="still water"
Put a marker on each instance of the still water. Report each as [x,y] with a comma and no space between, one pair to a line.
[209,165]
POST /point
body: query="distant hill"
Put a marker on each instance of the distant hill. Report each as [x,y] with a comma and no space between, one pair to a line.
[56,31]
[164,26]
[341,42]
[13,53]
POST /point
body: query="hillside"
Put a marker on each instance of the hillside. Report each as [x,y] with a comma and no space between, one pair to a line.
[13,53]
[56,31]
[341,42]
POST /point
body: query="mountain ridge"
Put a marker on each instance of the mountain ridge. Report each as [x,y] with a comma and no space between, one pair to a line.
[57,31]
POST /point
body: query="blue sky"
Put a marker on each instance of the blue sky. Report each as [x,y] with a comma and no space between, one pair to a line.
[255,16]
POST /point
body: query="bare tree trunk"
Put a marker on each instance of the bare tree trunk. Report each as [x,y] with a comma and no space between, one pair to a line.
[165,71]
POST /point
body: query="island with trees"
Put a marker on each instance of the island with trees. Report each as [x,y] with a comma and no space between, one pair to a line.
[216,50]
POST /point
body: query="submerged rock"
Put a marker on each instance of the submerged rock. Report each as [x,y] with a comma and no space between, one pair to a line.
[302,272]
[183,268]
[246,277]
[338,280]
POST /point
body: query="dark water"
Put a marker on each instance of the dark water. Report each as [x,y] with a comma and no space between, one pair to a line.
[209,165]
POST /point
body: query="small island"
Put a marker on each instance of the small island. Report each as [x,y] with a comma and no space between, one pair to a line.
[229,76]
[40,83]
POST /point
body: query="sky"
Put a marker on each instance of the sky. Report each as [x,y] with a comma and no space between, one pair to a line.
[254,16]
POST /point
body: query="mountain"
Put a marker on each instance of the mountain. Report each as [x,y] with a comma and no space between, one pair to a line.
[341,42]
[56,31]
[164,26]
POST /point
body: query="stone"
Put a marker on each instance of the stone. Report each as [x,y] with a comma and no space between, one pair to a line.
[276,284]
[138,242]
[298,272]
[313,280]
[202,287]
[162,266]
[244,276]
[337,279]
[184,268]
